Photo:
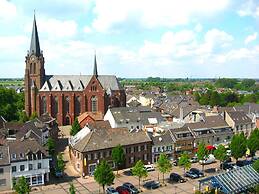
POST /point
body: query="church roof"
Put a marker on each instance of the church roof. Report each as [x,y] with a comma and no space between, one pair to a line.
[78,82]
[35,44]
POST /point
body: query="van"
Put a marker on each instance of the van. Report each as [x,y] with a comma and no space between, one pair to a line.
[210,159]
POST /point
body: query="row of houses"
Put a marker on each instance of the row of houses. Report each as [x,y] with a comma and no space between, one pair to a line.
[144,134]
[23,151]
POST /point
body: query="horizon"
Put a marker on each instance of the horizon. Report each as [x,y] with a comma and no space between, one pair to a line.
[203,41]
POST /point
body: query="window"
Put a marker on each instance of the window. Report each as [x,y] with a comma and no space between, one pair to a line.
[139,148]
[66,104]
[145,156]
[22,168]
[131,149]
[13,156]
[77,105]
[93,88]
[159,149]
[218,139]
[43,105]
[30,167]
[55,106]
[78,165]
[145,147]
[39,179]
[13,168]
[154,149]
[94,103]
[1,155]
[78,155]
[39,165]
[1,171]
[101,155]
[107,153]
[21,155]
[131,159]
[2,182]
[95,156]
[89,156]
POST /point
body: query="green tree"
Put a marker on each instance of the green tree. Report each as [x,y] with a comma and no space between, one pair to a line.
[23,116]
[253,141]
[139,171]
[238,146]
[256,165]
[21,186]
[202,153]
[72,189]
[164,165]
[214,98]
[34,115]
[226,83]
[103,174]
[220,153]
[184,161]
[51,146]
[75,127]
[247,84]
[118,156]
[60,163]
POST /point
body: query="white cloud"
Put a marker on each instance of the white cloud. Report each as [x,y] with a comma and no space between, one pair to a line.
[151,14]
[198,28]
[7,10]
[251,38]
[249,8]
[87,29]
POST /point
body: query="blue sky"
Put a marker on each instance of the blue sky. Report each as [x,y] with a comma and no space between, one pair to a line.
[134,38]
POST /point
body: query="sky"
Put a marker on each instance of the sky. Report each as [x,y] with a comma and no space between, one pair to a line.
[134,38]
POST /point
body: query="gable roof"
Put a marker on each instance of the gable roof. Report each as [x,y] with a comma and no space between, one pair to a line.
[97,116]
[239,117]
[163,139]
[99,139]
[78,82]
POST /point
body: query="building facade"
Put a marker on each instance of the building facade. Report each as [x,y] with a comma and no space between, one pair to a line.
[65,97]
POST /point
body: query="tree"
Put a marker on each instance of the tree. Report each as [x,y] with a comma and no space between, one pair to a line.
[23,116]
[202,153]
[139,171]
[253,141]
[184,161]
[164,165]
[60,163]
[21,186]
[214,99]
[103,174]
[72,189]
[220,153]
[238,145]
[75,127]
[51,146]
[256,165]
[34,115]
[118,156]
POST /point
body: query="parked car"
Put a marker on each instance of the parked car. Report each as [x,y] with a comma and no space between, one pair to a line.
[131,188]
[122,190]
[210,159]
[176,178]
[151,185]
[241,163]
[226,166]
[111,190]
[128,172]
[149,167]
[194,173]
[194,159]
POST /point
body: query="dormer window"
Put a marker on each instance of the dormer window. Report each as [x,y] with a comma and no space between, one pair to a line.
[13,156]
[1,155]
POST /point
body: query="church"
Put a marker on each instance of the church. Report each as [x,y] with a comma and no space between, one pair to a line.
[65,97]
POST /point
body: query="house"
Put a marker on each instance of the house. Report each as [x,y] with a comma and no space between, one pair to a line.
[29,159]
[88,117]
[162,143]
[239,122]
[134,118]
[5,177]
[212,130]
[183,139]
[91,145]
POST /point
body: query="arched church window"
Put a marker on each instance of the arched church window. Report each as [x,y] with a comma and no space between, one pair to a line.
[94,103]
[43,105]
[66,104]
[77,105]
[55,106]
[34,68]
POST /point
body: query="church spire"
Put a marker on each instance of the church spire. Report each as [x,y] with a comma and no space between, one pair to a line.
[95,66]
[35,44]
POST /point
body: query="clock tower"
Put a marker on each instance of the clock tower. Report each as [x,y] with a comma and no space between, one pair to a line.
[34,71]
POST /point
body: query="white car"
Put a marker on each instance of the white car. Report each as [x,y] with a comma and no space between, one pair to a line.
[149,167]
[210,159]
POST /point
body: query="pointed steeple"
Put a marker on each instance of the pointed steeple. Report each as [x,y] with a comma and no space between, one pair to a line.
[35,44]
[95,66]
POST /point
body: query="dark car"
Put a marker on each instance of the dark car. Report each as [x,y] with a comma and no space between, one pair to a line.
[241,163]
[131,188]
[151,185]
[122,190]
[176,178]
[111,190]
[191,174]
[128,172]
[226,166]
[194,171]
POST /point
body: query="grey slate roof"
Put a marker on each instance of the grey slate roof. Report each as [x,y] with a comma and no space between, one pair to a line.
[99,139]
[4,151]
[135,114]
[78,82]
[35,44]
[239,117]
[163,139]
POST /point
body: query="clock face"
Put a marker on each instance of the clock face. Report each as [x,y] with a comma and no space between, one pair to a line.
[33,58]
